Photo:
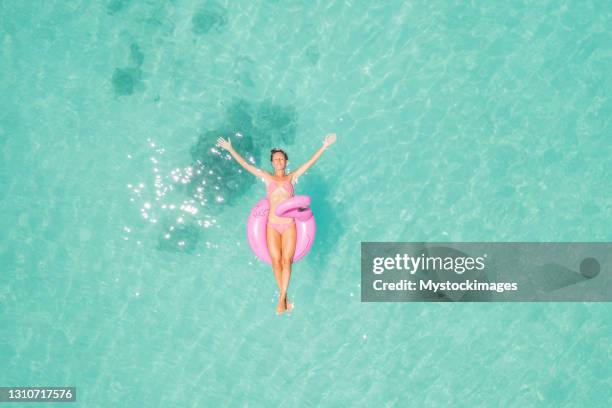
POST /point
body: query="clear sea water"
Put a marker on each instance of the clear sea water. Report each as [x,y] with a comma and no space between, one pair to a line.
[456,121]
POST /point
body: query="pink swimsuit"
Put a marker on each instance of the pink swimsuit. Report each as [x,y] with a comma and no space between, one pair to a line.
[272,187]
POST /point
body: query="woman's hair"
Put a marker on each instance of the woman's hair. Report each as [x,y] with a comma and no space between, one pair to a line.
[276,150]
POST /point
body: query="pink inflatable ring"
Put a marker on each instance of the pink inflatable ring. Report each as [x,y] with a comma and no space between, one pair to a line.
[297,207]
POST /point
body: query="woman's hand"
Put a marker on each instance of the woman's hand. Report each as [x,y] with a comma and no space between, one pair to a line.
[329,140]
[226,144]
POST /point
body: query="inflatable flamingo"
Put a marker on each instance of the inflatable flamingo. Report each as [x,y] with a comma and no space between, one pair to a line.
[297,207]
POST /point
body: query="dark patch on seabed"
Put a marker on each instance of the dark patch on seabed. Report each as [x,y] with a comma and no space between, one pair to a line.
[115,6]
[126,80]
[217,179]
[252,129]
[212,16]
[179,238]
[312,54]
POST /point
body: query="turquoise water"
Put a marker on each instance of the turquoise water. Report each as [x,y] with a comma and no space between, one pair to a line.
[455,122]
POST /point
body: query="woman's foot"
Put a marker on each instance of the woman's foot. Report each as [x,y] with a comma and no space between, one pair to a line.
[281,307]
[288,306]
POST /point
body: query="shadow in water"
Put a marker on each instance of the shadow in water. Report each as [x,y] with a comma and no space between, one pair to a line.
[212,16]
[128,79]
[330,225]
[214,180]
[179,238]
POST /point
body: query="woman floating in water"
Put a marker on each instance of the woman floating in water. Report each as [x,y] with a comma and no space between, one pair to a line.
[281,232]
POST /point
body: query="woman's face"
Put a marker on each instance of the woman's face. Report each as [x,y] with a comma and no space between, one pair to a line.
[278,161]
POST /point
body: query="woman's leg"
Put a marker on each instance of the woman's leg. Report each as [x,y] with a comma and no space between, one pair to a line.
[273,239]
[288,239]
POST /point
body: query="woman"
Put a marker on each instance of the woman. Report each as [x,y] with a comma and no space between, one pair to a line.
[281,233]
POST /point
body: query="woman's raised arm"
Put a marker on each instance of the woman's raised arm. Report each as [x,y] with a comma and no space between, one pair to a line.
[329,140]
[227,145]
